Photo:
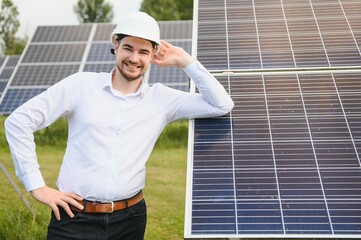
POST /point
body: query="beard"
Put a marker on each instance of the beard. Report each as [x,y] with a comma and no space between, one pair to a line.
[127,76]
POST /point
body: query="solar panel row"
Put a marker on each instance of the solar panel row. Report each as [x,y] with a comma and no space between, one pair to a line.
[55,52]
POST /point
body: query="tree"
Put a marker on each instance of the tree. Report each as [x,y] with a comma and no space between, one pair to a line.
[90,11]
[9,25]
[168,9]
[17,47]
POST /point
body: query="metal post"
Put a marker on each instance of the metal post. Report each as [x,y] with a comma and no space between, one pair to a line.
[17,189]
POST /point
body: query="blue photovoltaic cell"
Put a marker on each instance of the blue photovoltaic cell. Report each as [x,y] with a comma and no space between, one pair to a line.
[6,70]
[103,32]
[271,34]
[45,75]
[286,161]
[62,33]
[12,61]
[2,86]
[9,64]
[106,67]
[15,97]
[100,52]
[181,30]
[6,73]
[171,76]
[178,33]
[54,53]
[2,59]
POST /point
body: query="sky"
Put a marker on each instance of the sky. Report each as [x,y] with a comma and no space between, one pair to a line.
[33,13]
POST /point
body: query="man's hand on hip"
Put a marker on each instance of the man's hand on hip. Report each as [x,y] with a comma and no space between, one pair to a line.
[55,199]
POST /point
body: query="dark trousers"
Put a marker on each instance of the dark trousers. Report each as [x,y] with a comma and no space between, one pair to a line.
[126,224]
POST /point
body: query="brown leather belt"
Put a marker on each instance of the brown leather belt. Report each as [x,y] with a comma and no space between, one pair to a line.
[108,207]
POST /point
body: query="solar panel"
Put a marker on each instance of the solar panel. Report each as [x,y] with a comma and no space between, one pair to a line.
[42,75]
[15,97]
[172,76]
[237,35]
[99,52]
[102,33]
[56,52]
[285,163]
[2,59]
[98,67]
[12,60]
[62,33]
[7,66]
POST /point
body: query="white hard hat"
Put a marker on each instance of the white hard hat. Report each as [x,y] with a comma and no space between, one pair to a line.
[138,24]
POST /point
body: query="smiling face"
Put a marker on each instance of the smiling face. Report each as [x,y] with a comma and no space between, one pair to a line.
[133,57]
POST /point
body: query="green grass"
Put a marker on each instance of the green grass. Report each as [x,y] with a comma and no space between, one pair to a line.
[164,193]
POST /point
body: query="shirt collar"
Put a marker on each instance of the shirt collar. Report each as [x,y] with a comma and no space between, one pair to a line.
[108,85]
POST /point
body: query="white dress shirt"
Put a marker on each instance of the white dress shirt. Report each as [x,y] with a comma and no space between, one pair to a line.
[110,135]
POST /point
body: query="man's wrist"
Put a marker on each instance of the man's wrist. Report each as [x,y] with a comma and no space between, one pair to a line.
[33,181]
[188,60]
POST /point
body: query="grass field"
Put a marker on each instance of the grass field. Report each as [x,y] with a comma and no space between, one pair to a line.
[164,191]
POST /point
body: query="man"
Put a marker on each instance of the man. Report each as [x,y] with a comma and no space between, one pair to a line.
[114,121]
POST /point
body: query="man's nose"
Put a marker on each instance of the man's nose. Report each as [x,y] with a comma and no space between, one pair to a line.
[134,57]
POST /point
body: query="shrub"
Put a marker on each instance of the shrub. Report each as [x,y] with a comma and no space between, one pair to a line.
[173,136]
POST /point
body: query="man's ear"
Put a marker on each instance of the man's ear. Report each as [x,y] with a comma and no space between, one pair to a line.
[116,46]
[155,50]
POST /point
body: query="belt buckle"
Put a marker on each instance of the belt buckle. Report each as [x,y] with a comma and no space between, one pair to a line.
[112,210]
